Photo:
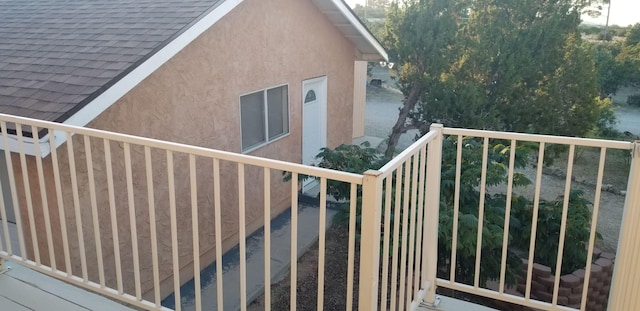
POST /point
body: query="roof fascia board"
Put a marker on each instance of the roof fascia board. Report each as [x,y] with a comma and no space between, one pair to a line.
[28,144]
[131,80]
[346,12]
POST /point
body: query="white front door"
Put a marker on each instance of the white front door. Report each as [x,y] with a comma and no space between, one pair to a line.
[314,122]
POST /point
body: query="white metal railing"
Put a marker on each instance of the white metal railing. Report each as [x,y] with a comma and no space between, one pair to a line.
[108,206]
[132,218]
[542,140]
[410,184]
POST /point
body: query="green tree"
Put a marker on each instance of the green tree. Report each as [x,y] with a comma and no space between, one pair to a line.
[420,36]
[629,56]
[610,72]
[633,35]
[515,66]
[372,9]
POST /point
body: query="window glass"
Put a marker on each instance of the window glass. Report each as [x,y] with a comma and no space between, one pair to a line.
[277,105]
[311,96]
[261,121]
[252,119]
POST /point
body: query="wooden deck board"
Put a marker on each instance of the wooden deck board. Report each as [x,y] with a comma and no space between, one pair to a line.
[24,289]
[29,297]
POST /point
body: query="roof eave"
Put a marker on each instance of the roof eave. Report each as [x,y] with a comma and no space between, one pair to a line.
[111,95]
[374,50]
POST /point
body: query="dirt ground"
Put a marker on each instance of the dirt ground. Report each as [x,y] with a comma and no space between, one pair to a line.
[335,288]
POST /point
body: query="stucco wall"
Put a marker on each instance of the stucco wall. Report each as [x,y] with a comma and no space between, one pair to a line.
[359,97]
[194,99]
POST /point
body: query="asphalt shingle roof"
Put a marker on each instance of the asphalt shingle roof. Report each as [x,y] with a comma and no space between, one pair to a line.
[57,55]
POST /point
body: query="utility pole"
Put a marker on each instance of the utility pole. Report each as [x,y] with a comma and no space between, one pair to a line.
[606,25]
[366,4]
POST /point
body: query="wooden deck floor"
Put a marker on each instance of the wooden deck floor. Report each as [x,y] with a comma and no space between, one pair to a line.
[24,289]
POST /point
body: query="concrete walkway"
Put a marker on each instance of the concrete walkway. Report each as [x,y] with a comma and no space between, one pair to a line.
[308,223]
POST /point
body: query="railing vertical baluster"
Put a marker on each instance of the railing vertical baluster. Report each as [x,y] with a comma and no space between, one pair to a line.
[27,190]
[594,223]
[294,241]
[411,292]
[405,236]
[483,188]
[507,215]
[12,187]
[243,236]
[563,224]
[94,210]
[114,217]
[267,237]
[432,211]
[59,200]
[456,211]
[195,231]
[132,220]
[321,242]
[353,198]
[76,207]
[421,206]
[385,243]
[5,225]
[44,201]
[625,285]
[534,220]
[174,230]
[5,231]
[152,225]
[396,239]
[370,241]
[218,232]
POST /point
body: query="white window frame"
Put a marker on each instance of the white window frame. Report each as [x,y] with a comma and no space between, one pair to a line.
[267,140]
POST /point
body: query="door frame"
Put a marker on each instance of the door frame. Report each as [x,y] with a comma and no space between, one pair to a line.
[323,101]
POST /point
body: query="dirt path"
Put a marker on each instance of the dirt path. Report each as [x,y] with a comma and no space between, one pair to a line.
[628,117]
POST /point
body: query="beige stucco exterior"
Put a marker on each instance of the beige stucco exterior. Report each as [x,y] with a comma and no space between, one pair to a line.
[359,97]
[194,99]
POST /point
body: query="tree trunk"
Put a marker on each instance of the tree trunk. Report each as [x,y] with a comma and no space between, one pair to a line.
[400,127]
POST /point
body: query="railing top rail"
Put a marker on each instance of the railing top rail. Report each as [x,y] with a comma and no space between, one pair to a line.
[199,151]
[586,142]
[407,153]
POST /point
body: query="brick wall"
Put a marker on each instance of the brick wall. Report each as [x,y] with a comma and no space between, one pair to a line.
[571,285]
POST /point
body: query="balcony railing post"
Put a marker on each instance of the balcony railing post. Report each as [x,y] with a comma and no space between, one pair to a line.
[431,215]
[370,240]
[625,286]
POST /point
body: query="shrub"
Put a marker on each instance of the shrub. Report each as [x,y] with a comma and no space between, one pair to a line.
[577,231]
[606,124]
[358,159]
[634,100]
[348,158]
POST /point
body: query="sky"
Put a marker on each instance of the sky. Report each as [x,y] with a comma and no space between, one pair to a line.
[623,12]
